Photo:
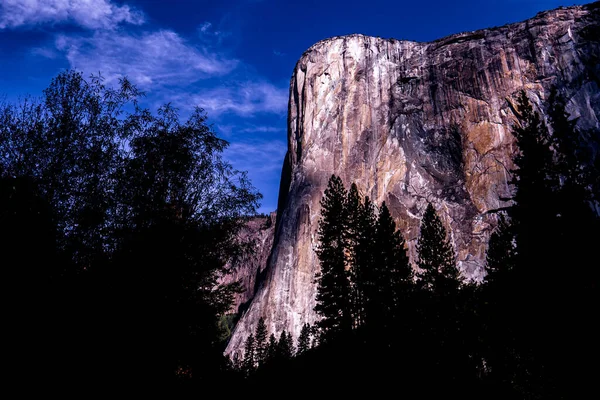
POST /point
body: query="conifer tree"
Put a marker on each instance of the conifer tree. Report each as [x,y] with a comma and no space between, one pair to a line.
[333,288]
[535,179]
[393,271]
[303,340]
[551,206]
[363,270]
[248,364]
[501,253]
[261,344]
[437,263]
[352,233]
[285,346]
[271,349]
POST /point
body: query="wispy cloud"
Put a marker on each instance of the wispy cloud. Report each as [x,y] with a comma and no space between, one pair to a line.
[278,53]
[47,52]
[243,98]
[92,14]
[260,156]
[262,129]
[208,33]
[229,130]
[262,159]
[157,58]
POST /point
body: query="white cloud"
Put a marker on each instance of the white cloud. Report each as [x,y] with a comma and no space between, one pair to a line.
[157,58]
[229,129]
[92,14]
[209,35]
[244,99]
[47,52]
[262,129]
[261,158]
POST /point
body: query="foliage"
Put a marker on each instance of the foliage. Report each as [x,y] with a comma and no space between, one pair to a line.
[140,216]
[304,339]
[438,272]
[249,363]
[393,275]
[333,289]
[261,344]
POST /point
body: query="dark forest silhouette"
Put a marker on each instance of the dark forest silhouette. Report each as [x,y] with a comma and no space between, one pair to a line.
[526,332]
[117,222]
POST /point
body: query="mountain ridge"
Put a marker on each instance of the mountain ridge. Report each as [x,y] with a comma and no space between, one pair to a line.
[412,123]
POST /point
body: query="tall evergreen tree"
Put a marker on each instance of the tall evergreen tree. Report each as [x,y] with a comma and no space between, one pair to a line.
[352,233]
[393,271]
[285,346]
[437,262]
[248,364]
[271,349]
[303,340]
[535,179]
[551,205]
[261,344]
[333,288]
[363,269]
[501,253]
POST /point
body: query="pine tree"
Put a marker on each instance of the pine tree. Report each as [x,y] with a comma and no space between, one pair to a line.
[271,349]
[352,235]
[437,264]
[535,180]
[501,253]
[554,227]
[303,340]
[261,344]
[363,269]
[393,271]
[248,364]
[285,346]
[333,288]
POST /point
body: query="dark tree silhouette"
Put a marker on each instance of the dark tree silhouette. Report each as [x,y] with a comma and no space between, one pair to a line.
[272,349]
[363,269]
[261,344]
[249,363]
[285,346]
[144,213]
[501,253]
[393,273]
[551,205]
[352,237]
[437,261]
[333,289]
[304,340]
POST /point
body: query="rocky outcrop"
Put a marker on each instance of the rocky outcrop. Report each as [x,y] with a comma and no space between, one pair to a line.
[413,123]
[248,270]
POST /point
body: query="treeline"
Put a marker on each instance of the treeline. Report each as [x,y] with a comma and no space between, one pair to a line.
[528,331]
[262,352]
[116,224]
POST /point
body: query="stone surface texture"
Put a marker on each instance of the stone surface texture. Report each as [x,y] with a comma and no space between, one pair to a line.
[249,269]
[412,123]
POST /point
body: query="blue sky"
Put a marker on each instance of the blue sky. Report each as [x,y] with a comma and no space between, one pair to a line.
[234,58]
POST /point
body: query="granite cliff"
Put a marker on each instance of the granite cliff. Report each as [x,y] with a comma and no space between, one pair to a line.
[248,270]
[413,123]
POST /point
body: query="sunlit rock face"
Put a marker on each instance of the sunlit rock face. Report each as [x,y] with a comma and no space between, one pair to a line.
[413,123]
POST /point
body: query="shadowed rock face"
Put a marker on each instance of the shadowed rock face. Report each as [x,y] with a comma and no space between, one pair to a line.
[249,269]
[411,123]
